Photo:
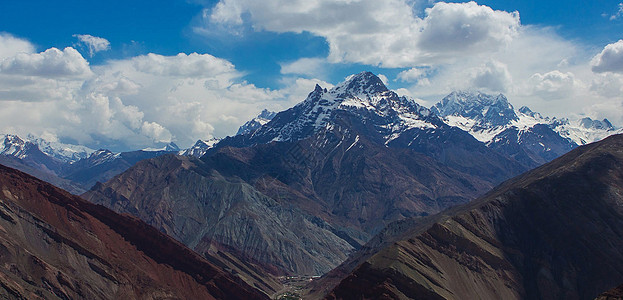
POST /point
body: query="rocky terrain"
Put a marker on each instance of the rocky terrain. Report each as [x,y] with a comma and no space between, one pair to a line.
[552,233]
[54,245]
[613,294]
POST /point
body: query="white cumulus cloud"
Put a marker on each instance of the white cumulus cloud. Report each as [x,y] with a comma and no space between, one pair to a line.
[610,59]
[305,66]
[50,63]
[466,27]
[492,77]
[387,34]
[182,65]
[554,84]
[130,103]
[10,46]
[413,74]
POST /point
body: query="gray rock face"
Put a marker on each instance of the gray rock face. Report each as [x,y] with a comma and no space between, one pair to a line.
[199,206]
[293,207]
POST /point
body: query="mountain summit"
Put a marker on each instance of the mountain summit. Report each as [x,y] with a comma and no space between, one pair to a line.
[486,110]
[364,83]
[362,94]
[522,134]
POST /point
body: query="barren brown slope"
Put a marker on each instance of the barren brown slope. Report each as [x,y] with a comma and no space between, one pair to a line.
[553,233]
[54,245]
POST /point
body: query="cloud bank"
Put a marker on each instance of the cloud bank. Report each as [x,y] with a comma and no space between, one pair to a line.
[131,103]
[386,34]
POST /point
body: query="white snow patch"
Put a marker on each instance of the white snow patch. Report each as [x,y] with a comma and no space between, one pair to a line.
[353,144]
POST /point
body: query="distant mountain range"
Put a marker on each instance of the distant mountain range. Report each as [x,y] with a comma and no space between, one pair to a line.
[524,136]
[330,173]
[77,168]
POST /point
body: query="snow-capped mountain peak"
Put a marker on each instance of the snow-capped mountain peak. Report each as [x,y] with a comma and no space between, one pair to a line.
[485,110]
[523,134]
[101,156]
[585,130]
[170,147]
[362,84]
[589,123]
[199,148]
[65,152]
[13,145]
[363,95]
[264,117]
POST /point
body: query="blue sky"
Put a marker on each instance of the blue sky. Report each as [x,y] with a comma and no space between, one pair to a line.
[123,84]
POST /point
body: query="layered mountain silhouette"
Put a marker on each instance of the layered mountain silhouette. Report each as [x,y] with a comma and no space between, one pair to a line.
[77,168]
[551,233]
[522,134]
[54,245]
[301,192]
[355,181]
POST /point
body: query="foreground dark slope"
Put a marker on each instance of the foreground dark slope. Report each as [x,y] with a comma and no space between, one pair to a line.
[57,246]
[553,233]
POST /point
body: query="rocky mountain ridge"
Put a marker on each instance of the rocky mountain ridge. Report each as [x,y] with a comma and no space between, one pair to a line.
[551,233]
[520,133]
[57,246]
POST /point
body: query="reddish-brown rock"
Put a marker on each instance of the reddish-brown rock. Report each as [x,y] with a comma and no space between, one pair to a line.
[56,245]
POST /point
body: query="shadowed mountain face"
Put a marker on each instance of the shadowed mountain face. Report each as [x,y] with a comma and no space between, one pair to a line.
[57,246]
[553,233]
[613,294]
